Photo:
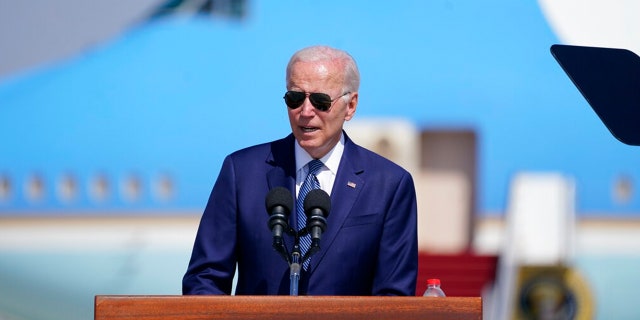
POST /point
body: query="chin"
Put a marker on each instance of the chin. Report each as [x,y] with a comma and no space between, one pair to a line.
[307,144]
[307,138]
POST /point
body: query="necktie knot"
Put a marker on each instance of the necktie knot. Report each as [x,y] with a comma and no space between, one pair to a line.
[314,166]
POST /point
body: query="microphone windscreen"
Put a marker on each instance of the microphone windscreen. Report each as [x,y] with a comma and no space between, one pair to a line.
[317,198]
[279,196]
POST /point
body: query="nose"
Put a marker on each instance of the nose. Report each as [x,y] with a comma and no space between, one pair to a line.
[307,109]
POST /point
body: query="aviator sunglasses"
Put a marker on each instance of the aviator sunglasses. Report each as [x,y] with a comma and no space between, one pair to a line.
[320,101]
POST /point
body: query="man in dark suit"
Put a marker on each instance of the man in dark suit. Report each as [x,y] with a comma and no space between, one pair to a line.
[369,246]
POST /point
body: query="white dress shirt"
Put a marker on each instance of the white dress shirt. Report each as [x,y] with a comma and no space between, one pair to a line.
[327,174]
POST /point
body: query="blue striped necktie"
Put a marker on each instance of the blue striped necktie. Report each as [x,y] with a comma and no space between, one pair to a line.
[310,182]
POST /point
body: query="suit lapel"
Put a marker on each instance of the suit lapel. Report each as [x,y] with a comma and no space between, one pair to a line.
[346,189]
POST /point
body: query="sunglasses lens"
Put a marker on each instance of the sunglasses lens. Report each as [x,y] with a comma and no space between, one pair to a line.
[294,99]
[320,101]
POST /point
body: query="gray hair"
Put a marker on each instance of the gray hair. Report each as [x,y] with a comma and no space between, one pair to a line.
[326,53]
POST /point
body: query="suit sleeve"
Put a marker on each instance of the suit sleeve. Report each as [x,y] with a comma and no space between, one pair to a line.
[397,265]
[213,260]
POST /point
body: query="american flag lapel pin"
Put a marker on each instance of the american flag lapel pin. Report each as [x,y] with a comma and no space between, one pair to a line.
[351,184]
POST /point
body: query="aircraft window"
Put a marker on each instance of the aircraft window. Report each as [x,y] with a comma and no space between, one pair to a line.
[100,188]
[164,188]
[68,188]
[5,188]
[132,188]
[35,188]
[623,189]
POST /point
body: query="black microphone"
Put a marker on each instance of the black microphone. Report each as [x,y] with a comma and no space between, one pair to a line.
[279,203]
[317,205]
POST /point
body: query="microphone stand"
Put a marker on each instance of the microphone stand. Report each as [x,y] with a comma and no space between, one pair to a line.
[296,261]
[294,269]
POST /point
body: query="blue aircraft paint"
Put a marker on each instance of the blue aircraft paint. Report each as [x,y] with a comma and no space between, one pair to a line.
[172,97]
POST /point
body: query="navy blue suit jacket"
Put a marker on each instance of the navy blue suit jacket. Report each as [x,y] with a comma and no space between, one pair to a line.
[368,248]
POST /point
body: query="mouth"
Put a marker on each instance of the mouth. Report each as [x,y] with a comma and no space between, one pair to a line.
[308,129]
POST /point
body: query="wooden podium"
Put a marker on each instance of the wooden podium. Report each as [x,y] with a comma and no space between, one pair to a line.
[285,307]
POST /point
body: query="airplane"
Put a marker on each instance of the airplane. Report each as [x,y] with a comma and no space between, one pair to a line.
[108,156]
